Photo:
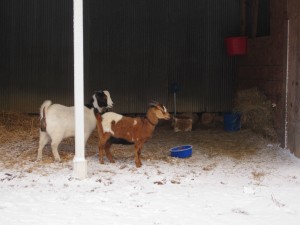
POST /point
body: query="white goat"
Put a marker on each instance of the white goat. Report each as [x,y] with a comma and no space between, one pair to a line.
[58,121]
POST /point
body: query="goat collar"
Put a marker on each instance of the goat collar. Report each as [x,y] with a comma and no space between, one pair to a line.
[153,124]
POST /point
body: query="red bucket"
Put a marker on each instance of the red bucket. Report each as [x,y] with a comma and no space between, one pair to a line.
[236,45]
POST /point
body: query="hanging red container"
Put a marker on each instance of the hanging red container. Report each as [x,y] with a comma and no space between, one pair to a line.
[236,45]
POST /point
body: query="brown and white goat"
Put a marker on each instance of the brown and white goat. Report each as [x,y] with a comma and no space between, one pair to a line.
[135,130]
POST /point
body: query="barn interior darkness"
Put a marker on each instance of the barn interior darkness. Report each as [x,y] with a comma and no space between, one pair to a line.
[145,46]
[137,49]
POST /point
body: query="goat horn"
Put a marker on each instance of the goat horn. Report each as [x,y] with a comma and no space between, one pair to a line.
[153,103]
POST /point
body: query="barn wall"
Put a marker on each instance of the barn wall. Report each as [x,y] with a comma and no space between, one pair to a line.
[264,64]
[293,98]
[272,64]
[36,57]
[135,49]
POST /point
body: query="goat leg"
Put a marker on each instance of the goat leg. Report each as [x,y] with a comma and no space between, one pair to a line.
[100,147]
[54,147]
[137,157]
[108,153]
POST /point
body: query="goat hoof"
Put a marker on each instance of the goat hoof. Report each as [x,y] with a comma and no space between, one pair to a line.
[57,160]
[38,160]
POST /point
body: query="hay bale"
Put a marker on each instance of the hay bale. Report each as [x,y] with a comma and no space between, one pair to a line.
[211,119]
[193,116]
[207,118]
[182,123]
[257,112]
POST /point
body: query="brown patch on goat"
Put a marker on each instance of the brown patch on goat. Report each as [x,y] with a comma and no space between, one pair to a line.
[43,121]
[136,130]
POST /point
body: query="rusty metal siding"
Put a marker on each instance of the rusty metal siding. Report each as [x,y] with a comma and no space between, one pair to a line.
[135,49]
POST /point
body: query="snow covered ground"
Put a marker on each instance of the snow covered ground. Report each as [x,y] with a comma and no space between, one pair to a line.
[263,188]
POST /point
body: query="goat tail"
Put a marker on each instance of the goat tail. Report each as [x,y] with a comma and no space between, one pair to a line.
[44,108]
[43,113]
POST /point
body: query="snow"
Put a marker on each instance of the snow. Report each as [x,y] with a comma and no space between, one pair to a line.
[204,189]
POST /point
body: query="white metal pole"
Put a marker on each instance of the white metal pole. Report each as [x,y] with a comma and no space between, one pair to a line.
[79,162]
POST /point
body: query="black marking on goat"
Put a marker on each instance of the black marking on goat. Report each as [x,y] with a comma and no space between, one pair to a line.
[89,105]
[43,122]
[96,111]
[119,141]
[101,98]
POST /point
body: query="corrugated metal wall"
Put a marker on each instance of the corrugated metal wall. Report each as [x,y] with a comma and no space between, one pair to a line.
[36,45]
[136,49]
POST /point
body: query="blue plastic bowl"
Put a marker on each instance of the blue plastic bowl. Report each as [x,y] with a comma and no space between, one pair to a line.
[183,151]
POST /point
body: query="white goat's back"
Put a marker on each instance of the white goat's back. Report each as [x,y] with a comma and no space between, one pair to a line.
[60,119]
[60,116]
